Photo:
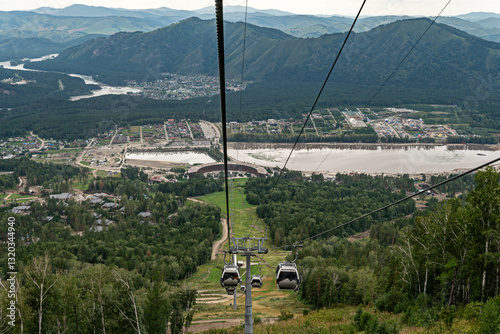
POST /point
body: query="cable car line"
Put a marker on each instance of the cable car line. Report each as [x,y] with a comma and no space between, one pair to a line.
[222,78]
[243,53]
[319,94]
[315,102]
[390,205]
[395,69]
[407,54]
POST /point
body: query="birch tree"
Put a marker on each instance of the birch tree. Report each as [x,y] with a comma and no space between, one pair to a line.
[43,280]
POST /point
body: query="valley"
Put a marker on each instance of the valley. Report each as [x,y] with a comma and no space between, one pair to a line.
[116,211]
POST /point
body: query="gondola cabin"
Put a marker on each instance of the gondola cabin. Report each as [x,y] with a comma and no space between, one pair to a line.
[256,281]
[287,276]
[230,276]
[230,290]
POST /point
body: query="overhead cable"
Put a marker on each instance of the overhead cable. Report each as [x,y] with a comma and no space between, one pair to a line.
[394,71]
[392,204]
[222,78]
[317,98]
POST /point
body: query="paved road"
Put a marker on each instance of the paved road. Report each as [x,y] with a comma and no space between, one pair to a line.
[40,139]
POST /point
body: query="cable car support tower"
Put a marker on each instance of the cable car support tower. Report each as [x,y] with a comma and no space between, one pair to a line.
[248,247]
[245,246]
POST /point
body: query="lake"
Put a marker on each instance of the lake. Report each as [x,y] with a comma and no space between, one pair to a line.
[414,159]
[179,157]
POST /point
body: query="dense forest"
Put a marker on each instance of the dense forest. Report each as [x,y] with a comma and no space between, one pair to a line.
[61,119]
[296,209]
[440,263]
[104,268]
[21,88]
[427,264]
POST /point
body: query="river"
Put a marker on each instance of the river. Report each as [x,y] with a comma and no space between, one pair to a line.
[105,89]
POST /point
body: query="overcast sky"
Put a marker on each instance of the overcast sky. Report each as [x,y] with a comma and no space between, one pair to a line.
[325,7]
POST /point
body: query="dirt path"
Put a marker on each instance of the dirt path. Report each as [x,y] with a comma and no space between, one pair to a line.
[205,325]
[218,244]
[123,156]
[116,131]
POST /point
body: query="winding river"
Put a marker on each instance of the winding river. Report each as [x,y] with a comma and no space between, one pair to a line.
[105,89]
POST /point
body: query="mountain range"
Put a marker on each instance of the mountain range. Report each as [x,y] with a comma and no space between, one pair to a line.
[446,58]
[51,30]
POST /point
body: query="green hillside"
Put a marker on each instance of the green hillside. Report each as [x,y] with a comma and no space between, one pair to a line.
[445,58]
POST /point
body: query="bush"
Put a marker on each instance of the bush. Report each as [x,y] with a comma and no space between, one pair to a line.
[448,315]
[472,311]
[389,327]
[364,321]
[361,319]
[489,320]
[284,316]
[392,301]
[420,313]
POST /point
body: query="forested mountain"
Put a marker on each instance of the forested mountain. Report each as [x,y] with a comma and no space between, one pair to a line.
[445,58]
[33,47]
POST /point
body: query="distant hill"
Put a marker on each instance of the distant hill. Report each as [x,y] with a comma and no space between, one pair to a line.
[476,16]
[446,58]
[56,33]
[98,11]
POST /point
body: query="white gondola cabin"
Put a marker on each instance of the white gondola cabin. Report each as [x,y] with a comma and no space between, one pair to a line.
[230,290]
[256,281]
[287,276]
[230,276]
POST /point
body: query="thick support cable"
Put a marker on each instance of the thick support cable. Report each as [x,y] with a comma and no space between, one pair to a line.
[315,102]
[222,78]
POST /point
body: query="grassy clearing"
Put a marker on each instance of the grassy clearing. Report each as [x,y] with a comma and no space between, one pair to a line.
[68,150]
[243,213]
[84,185]
[86,163]
[135,129]
[268,301]
[16,197]
[102,173]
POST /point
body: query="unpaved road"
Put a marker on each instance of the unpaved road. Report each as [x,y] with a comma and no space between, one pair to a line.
[218,244]
[205,325]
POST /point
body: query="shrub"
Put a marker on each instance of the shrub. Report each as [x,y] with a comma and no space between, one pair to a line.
[489,320]
[392,301]
[420,313]
[284,316]
[472,311]
[361,319]
[448,315]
